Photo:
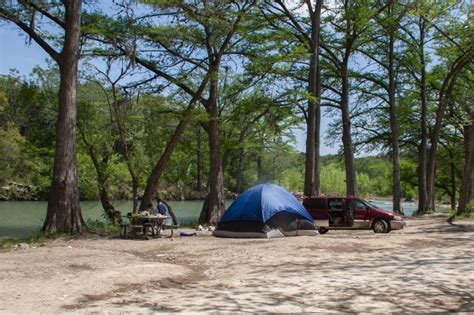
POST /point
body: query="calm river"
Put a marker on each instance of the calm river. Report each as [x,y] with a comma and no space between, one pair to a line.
[24,218]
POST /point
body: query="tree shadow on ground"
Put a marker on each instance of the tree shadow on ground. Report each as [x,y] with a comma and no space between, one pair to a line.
[423,275]
[415,285]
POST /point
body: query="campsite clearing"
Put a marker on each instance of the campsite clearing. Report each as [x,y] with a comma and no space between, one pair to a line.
[429,266]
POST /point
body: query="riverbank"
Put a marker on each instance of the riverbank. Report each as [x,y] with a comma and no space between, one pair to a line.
[13,191]
[25,218]
[427,267]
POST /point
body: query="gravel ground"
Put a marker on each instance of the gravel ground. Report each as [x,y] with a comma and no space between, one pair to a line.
[427,267]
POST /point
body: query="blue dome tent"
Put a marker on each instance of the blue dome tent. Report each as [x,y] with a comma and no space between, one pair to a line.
[265,211]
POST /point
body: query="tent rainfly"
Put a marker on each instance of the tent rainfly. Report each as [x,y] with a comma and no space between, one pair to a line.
[265,211]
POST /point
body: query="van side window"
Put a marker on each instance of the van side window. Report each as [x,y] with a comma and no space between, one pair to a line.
[360,205]
[314,203]
[335,204]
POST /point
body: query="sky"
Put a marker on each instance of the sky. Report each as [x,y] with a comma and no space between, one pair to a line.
[15,53]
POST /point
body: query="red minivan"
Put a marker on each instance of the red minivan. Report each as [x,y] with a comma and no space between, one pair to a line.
[331,213]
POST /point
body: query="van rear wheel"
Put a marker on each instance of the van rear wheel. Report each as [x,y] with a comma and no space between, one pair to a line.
[380,226]
[322,230]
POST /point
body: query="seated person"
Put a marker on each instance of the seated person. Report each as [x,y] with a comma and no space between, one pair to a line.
[161,208]
[146,213]
[162,211]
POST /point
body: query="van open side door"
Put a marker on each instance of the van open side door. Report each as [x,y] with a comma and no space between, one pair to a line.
[318,209]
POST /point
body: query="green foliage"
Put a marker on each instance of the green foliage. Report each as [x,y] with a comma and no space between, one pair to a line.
[408,179]
[293,179]
[262,87]
[149,123]
[27,117]
[378,170]
[10,143]
[373,176]
[86,178]
[333,179]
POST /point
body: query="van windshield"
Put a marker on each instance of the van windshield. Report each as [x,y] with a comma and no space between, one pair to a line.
[369,204]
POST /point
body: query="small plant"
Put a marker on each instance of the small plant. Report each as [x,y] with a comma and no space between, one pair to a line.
[136,216]
[452,212]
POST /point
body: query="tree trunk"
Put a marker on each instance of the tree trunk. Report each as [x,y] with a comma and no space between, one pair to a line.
[106,201]
[171,212]
[316,23]
[240,171]
[351,179]
[104,196]
[309,189]
[198,160]
[64,210]
[124,145]
[468,174]
[240,163]
[394,127]
[443,99]
[214,207]
[317,132]
[212,211]
[260,178]
[452,170]
[312,159]
[159,167]
[422,192]
[471,190]
[423,205]
[135,192]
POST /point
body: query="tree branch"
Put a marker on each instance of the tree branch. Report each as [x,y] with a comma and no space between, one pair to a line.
[45,13]
[28,30]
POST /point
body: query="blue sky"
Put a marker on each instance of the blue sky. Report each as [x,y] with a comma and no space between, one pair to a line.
[15,53]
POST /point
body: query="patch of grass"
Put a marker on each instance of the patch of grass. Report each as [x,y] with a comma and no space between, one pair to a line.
[468,216]
[101,227]
[452,212]
[37,239]
[191,225]
[453,216]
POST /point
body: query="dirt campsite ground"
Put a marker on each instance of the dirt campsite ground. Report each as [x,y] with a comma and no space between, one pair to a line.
[428,267]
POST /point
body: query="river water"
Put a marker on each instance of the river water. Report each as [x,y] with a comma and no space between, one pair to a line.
[24,218]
